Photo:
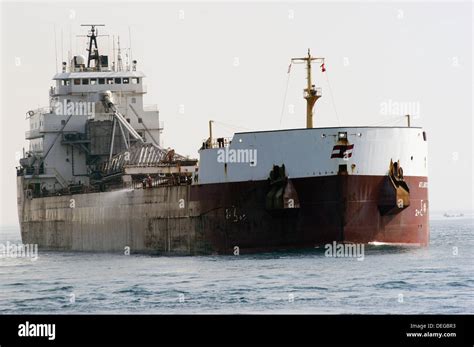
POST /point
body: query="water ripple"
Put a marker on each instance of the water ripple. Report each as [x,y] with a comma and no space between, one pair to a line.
[432,280]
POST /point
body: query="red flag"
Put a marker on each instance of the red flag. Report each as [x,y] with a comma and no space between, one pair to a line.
[323,69]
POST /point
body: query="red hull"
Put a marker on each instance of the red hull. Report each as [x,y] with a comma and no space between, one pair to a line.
[335,208]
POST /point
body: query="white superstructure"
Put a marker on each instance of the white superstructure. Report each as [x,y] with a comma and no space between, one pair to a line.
[72,136]
[250,156]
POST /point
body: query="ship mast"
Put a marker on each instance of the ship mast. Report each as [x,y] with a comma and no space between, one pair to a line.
[93,49]
[311,94]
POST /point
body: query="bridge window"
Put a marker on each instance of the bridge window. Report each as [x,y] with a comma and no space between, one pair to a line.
[93,81]
[77,82]
[110,81]
[135,80]
[85,81]
[36,144]
[134,100]
[65,82]
[101,80]
[118,80]
[125,80]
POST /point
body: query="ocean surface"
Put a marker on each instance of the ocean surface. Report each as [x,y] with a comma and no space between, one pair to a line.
[390,279]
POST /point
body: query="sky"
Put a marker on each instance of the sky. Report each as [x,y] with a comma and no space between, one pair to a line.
[228,62]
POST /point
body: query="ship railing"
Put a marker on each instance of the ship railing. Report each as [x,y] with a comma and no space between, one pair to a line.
[218,142]
[75,137]
[158,181]
[60,178]
[40,110]
[319,92]
[150,108]
[34,133]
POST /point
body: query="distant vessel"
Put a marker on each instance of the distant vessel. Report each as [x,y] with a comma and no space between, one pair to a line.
[449,215]
[96,178]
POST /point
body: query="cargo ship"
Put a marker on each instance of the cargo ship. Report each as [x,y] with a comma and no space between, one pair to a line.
[96,178]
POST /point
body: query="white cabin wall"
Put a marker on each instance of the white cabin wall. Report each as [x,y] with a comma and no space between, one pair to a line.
[306,153]
[46,127]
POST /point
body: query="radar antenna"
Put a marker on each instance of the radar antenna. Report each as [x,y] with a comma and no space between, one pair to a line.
[93,49]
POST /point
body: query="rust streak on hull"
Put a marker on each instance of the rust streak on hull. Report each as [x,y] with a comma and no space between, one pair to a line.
[218,217]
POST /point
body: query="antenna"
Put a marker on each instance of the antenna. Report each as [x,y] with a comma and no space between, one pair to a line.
[130,44]
[62,46]
[113,55]
[70,48]
[119,56]
[93,49]
[56,48]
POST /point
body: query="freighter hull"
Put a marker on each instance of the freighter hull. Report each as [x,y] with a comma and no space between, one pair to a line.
[224,218]
[100,181]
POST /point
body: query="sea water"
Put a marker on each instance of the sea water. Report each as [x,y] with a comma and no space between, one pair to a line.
[389,279]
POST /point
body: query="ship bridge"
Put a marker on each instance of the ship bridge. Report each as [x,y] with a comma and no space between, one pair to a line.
[99,81]
[96,110]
